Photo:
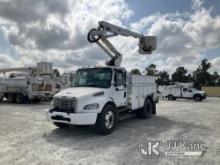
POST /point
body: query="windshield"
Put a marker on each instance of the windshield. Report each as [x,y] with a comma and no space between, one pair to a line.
[194,89]
[93,77]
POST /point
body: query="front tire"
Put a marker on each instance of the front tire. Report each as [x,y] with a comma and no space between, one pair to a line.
[106,120]
[197,98]
[61,125]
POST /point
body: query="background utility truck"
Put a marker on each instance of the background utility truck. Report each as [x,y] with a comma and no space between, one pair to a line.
[181,90]
[100,95]
[25,84]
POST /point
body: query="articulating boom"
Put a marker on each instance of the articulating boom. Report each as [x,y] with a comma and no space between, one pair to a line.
[105,30]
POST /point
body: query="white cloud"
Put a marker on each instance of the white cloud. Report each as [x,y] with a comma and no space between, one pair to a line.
[56,31]
[197,4]
[6,61]
[183,38]
[215,64]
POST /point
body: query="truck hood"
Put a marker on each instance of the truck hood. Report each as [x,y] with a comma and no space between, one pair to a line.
[200,92]
[78,92]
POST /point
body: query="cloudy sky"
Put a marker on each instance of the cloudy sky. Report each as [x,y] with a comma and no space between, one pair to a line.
[56,31]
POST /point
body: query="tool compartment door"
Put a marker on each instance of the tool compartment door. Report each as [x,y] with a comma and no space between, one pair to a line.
[135,98]
[142,86]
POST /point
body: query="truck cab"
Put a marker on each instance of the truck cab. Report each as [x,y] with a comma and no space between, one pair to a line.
[188,92]
[99,95]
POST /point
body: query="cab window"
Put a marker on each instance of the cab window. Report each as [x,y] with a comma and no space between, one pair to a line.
[119,78]
[184,89]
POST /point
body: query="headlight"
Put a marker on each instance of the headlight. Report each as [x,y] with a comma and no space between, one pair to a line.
[91,106]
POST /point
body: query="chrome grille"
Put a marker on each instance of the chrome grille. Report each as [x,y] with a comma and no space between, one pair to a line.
[64,104]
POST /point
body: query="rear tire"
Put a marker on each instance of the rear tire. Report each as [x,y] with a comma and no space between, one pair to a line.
[171,97]
[26,99]
[154,109]
[11,98]
[106,120]
[61,125]
[36,100]
[19,99]
[147,111]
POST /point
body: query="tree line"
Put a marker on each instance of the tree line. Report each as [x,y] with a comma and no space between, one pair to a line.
[200,76]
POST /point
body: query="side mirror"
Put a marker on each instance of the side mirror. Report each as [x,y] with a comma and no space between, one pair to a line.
[147,44]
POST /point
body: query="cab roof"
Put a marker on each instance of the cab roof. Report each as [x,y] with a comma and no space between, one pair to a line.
[102,66]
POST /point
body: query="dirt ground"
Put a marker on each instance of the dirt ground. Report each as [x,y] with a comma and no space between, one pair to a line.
[26,137]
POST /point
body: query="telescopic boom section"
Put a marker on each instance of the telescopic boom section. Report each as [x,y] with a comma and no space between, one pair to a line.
[105,30]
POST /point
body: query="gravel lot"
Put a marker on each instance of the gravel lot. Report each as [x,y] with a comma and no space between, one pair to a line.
[27,138]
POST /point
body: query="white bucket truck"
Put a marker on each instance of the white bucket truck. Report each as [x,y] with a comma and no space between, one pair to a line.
[181,90]
[25,84]
[100,94]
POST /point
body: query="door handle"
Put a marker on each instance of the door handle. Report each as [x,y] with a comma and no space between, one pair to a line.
[117,89]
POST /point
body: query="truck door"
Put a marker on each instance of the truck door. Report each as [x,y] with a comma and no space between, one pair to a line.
[186,92]
[120,89]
